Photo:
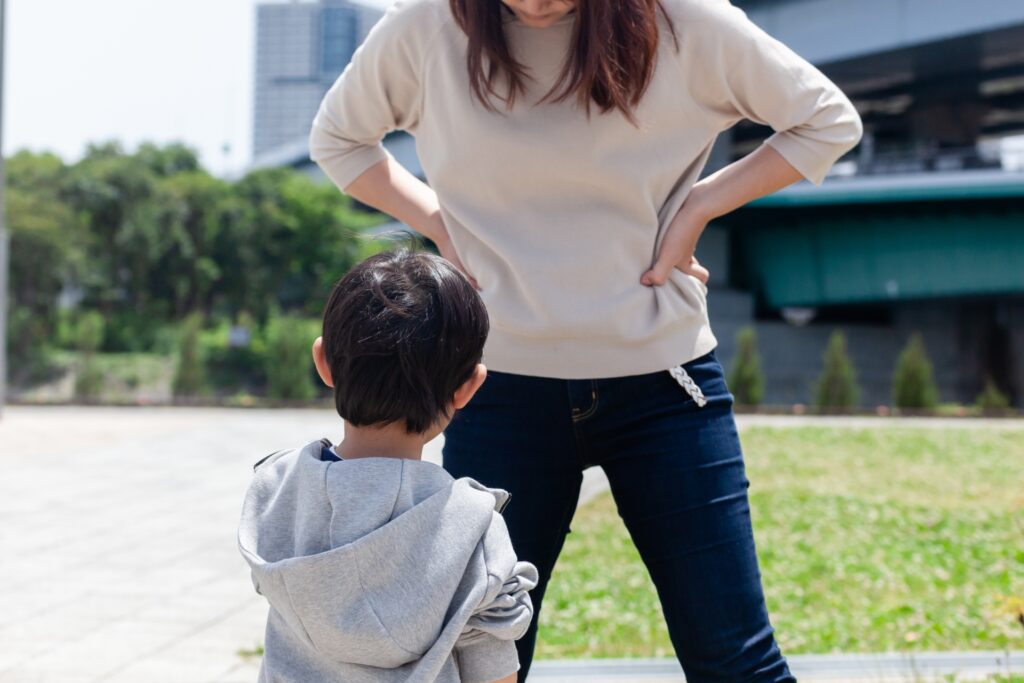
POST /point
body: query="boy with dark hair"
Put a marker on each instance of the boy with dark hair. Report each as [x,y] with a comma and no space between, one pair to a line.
[378,566]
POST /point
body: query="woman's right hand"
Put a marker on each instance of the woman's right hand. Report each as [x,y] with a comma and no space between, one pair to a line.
[443,242]
[389,187]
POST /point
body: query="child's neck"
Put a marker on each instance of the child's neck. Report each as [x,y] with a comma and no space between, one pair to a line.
[391,441]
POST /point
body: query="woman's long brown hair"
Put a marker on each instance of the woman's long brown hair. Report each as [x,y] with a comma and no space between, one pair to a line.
[615,47]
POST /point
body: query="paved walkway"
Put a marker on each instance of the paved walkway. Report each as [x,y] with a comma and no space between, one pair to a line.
[117,546]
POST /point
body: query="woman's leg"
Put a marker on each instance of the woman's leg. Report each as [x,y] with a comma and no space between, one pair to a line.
[516,434]
[677,475]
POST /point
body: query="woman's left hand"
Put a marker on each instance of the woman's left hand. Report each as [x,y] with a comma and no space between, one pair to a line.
[678,246]
[760,173]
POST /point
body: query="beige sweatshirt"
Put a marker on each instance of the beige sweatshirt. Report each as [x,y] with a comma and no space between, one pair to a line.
[558,216]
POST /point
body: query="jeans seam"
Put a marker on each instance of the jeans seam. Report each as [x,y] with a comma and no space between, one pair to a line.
[581,447]
[577,420]
[589,412]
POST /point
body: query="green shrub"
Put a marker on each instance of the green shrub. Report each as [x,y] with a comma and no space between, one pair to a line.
[89,379]
[30,348]
[837,384]
[913,383]
[746,381]
[991,398]
[127,331]
[88,337]
[234,368]
[289,362]
[64,329]
[165,340]
[89,332]
[189,374]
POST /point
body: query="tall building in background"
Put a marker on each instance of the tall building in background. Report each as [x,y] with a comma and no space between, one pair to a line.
[301,47]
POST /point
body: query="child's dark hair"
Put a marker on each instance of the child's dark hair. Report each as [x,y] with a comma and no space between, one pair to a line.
[402,331]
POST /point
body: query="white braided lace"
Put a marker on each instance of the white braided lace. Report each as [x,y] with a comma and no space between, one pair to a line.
[686,382]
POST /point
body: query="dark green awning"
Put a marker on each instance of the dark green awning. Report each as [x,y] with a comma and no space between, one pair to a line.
[821,260]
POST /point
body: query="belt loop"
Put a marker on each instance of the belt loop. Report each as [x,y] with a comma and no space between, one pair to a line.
[686,382]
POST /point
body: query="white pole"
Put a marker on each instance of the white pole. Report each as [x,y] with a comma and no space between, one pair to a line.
[4,241]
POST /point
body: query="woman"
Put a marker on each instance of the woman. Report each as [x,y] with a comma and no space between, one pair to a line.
[563,141]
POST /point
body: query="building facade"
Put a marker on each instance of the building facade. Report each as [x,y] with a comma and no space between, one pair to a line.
[301,48]
[920,229]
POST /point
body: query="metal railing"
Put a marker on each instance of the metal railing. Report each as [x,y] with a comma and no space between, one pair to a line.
[978,157]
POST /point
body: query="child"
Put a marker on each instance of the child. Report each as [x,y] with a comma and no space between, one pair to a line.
[379,566]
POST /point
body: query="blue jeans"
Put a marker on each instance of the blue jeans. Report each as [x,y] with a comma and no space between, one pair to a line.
[677,475]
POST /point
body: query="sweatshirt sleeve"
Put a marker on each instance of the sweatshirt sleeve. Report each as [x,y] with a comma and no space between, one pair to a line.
[487,659]
[743,72]
[377,92]
[486,650]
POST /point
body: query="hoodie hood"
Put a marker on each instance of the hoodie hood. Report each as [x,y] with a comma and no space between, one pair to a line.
[361,559]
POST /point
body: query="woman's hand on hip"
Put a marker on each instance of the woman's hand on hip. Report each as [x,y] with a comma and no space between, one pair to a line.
[443,242]
[678,246]
[389,187]
[760,173]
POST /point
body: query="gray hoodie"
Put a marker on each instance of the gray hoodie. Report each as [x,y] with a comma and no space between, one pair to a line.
[382,570]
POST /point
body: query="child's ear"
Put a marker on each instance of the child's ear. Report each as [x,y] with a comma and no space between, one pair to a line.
[320,361]
[469,387]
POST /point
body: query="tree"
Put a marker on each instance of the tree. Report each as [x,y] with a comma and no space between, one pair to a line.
[163,238]
[149,223]
[254,251]
[44,256]
[290,239]
[913,383]
[837,384]
[746,381]
[289,362]
[110,192]
[991,398]
[40,224]
[89,332]
[168,160]
[188,372]
[148,237]
[189,212]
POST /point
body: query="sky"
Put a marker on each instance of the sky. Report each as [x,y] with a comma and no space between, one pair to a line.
[80,71]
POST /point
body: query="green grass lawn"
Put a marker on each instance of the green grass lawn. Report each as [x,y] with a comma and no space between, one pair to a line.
[869,541]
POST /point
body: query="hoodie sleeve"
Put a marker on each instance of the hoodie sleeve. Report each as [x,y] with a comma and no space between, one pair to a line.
[486,649]
[740,71]
[487,659]
[377,92]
